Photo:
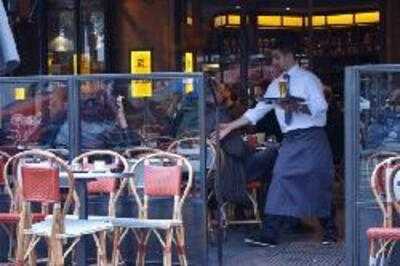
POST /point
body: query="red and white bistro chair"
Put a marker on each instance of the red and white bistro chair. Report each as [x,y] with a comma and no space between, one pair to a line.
[163,177]
[107,161]
[382,239]
[39,174]
[190,149]
[9,220]
[3,160]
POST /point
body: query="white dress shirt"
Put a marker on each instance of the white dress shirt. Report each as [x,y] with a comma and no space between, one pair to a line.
[303,84]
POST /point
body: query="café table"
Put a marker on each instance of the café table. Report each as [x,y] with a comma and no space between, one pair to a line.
[81,179]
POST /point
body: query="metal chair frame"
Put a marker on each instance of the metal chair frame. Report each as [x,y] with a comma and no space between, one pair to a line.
[56,228]
[143,226]
[382,188]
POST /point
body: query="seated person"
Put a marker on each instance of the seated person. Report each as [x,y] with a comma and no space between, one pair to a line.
[98,128]
[57,113]
[239,164]
[231,101]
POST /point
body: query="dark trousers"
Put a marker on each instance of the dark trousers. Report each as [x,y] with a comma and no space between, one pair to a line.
[273,224]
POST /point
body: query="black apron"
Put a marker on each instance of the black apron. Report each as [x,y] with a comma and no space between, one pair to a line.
[302,176]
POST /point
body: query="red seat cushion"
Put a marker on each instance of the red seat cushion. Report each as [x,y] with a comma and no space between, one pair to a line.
[13,217]
[254,185]
[383,233]
[40,184]
[162,181]
[102,186]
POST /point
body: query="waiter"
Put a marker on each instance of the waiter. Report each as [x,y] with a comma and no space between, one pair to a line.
[303,173]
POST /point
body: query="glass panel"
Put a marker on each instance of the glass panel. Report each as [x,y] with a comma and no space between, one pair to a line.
[373,132]
[34,114]
[168,112]
[31,114]
[112,119]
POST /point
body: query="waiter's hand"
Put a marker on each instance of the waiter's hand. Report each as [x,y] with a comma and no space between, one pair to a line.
[224,130]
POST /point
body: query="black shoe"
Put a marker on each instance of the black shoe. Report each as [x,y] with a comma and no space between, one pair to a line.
[260,241]
[329,238]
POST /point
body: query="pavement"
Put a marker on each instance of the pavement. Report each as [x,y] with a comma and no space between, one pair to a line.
[302,250]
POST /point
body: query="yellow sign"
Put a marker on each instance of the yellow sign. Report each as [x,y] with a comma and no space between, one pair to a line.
[188,62]
[269,21]
[318,21]
[367,17]
[188,69]
[233,20]
[20,94]
[141,64]
[292,21]
[340,19]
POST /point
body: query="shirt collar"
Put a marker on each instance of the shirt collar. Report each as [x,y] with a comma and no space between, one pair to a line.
[293,69]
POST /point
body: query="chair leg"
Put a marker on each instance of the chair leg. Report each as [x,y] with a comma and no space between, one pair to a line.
[254,202]
[102,251]
[167,254]
[391,249]
[378,256]
[115,247]
[32,258]
[22,239]
[372,255]
[141,251]
[56,257]
[56,244]
[224,215]
[180,245]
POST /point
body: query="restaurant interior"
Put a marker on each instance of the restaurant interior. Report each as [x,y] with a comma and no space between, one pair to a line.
[125,75]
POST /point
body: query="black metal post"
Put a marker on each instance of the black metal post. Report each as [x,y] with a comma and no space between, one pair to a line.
[178,16]
[199,85]
[78,43]
[80,256]
[244,49]
[43,38]
[108,36]
[251,31]
[310,30]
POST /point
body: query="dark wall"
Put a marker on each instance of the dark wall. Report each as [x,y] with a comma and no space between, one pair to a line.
[392,33]
[142,25]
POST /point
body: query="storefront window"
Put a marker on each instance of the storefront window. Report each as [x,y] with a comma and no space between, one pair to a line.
[93,31]
[64,46]
[61,39]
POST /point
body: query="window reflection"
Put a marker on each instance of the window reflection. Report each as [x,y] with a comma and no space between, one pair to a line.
[63,37]
[32,121]
[92,32]
[61,40]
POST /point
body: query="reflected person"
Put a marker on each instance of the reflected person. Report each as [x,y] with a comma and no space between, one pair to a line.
[98,130]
